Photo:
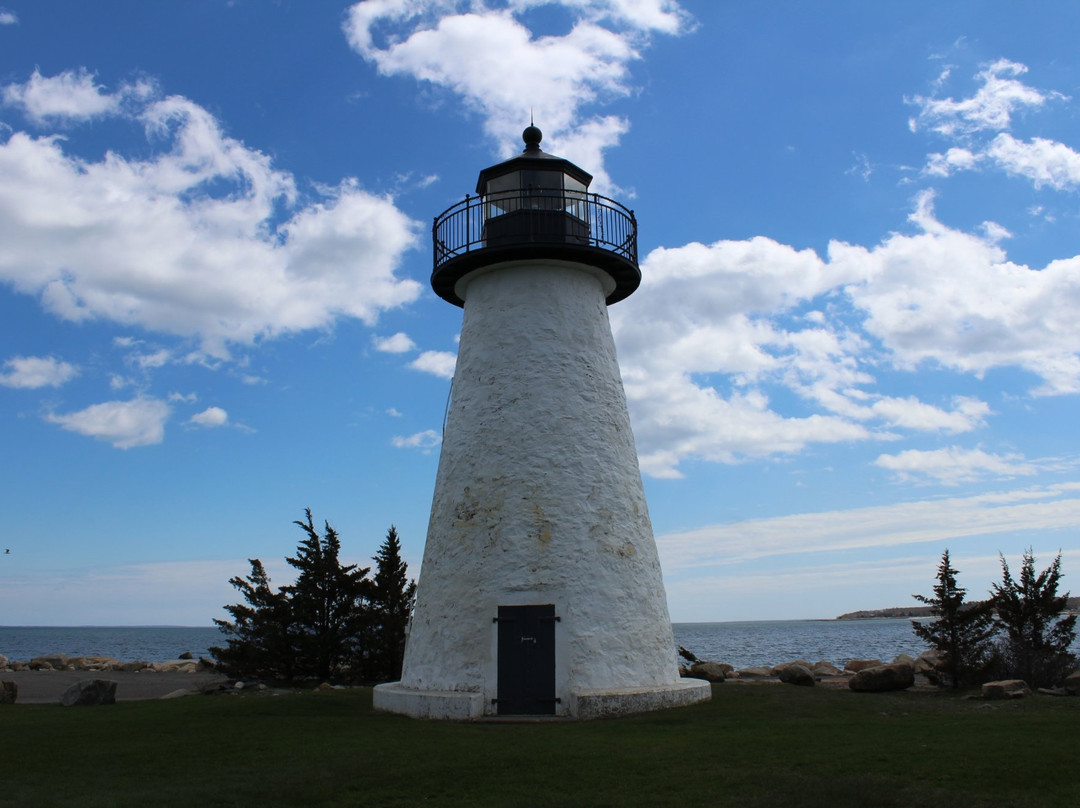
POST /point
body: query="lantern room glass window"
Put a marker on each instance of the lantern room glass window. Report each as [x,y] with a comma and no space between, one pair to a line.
[532,189]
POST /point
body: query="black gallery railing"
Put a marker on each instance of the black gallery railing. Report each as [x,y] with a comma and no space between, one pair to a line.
[534,216]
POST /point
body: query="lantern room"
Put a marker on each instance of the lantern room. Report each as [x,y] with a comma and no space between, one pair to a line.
[534,206]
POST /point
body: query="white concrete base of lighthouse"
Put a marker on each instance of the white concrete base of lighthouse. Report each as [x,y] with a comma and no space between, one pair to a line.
[392,697]
[540,591]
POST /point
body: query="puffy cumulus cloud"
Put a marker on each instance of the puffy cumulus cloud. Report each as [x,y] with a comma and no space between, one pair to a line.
[955,465]
[210,417]
[396,343]
[437,363]
[204,240]
[124,424]
[487,55]
[31,372]
[425,441]
[954,299]
[972,122]
[8,17]
[719,332]
[70,96]
[1044,162]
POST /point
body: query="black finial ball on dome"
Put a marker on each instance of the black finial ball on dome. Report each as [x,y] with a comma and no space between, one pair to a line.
[532,137]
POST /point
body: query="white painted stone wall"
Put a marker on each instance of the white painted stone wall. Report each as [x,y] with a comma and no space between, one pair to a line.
[539,498]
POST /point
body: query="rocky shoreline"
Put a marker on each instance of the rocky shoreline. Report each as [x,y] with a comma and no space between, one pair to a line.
[863,675]
[186,663]
[868,675]
[188,675]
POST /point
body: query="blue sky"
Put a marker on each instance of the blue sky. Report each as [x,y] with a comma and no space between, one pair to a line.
[856,343]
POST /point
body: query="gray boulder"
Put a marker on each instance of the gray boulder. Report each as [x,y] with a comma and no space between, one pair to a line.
[46,662]
[777,668]
[1072,683]
[883,678]
[796,674]
[9,692]
[856,665]
[710,671]
[1005,689]
[90,693]
[755,673]
[3,661]
[928,662]
[824,668]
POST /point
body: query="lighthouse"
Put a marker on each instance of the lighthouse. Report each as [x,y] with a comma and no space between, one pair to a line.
[540,591]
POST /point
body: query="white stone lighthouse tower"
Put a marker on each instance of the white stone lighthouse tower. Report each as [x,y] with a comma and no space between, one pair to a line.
[540,591]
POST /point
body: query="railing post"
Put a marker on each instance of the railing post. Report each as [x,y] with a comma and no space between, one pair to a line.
[435,241]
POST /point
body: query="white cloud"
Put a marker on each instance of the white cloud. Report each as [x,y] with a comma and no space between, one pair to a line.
[485,54]
[187,593]
[8,17]
[953,298]
[124,424]
[210,417]
[955,159]
[438,363]
[714,328]
[397,343]
[226,269]
[826,590]
[954,465]
[992,106]
[426,440]
[1046,163]
[1034,509]
[70,95]
[31,372]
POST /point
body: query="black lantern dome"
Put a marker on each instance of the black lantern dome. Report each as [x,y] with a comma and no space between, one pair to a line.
[533,206]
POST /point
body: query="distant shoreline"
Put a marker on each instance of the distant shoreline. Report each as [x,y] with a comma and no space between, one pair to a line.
[1072,606]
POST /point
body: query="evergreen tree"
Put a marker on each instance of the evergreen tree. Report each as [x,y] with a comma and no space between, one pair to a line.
[392,599]
[332,621]
[328,601]
[1036,635]
[960,632]
[261,632]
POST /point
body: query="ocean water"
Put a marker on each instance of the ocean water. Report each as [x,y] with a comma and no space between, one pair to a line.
[126,643]
[743,644]
[769,642]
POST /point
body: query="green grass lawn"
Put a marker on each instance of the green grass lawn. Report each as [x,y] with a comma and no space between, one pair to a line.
[752,745]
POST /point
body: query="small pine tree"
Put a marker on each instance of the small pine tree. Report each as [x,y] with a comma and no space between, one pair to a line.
[392,599]
[328,601]
[261,633]
[1036,635]
[960,632]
